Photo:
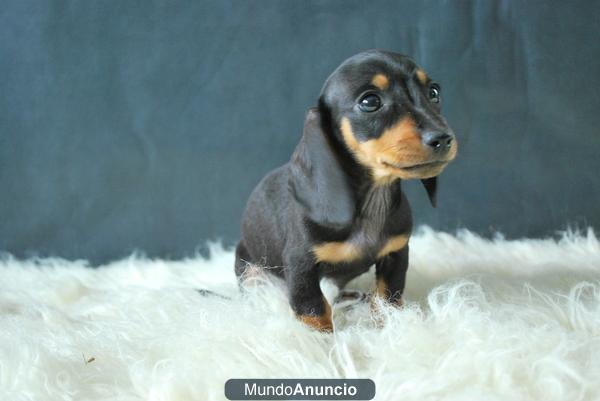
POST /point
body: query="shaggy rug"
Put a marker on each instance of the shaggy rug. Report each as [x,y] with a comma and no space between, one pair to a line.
[483,320]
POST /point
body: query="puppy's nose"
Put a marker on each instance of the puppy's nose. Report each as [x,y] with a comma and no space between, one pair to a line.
[437,141]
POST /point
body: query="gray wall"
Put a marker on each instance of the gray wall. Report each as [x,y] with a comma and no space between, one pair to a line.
[145,124]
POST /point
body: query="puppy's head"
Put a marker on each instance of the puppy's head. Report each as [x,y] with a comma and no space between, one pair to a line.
[386,110]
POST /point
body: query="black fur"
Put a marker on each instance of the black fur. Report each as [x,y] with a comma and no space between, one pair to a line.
[325,194]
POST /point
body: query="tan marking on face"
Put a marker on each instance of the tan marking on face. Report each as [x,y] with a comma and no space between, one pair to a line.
[398,146]
[393,244]
[453,150]
[320,323]
[381,81]
[336,252]
[421,76]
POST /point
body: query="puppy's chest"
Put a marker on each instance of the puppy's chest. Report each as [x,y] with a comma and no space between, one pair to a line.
[379,228]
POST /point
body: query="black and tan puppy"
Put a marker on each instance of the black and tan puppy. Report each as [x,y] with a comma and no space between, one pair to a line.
[336,208]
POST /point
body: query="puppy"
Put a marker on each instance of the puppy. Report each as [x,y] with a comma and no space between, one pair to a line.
[336,208]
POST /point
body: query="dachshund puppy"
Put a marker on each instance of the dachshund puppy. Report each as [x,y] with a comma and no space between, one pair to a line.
[336,208]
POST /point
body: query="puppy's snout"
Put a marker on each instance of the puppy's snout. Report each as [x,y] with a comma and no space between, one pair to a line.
[437,141]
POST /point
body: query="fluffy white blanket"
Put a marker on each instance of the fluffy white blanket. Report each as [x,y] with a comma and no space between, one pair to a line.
[483,320]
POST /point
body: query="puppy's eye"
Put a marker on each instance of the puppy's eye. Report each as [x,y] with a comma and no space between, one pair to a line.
[434,93]
[369,103]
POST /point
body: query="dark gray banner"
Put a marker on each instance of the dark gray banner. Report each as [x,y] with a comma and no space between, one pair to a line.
[300,389]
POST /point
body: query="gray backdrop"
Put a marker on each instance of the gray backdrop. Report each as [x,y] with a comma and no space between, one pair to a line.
[144,125]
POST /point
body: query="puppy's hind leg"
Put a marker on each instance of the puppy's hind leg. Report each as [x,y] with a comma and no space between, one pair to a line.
[242,262]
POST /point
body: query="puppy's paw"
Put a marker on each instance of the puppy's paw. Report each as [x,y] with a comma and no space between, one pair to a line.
[378,303]
[322,322]
[319,323]
[349,298]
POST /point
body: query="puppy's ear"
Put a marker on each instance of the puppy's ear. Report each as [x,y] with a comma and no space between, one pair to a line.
[317,181]
[430,185]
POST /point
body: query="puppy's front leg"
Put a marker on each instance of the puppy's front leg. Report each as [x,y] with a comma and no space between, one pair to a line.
[390,272]
[306,297]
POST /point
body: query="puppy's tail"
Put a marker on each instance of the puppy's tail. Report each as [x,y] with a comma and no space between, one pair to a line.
[209,293]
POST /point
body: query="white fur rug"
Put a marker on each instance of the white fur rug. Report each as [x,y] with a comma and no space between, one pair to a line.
[484,320]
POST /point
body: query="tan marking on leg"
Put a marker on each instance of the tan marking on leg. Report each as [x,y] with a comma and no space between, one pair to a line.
[393,244]
[381,81]
[421,76]
[320,323]
[383,293]
[374,303]
[382,288]
[336,252]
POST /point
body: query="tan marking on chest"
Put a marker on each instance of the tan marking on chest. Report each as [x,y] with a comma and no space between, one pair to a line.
[336,252]
[393,244]
[380,81]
